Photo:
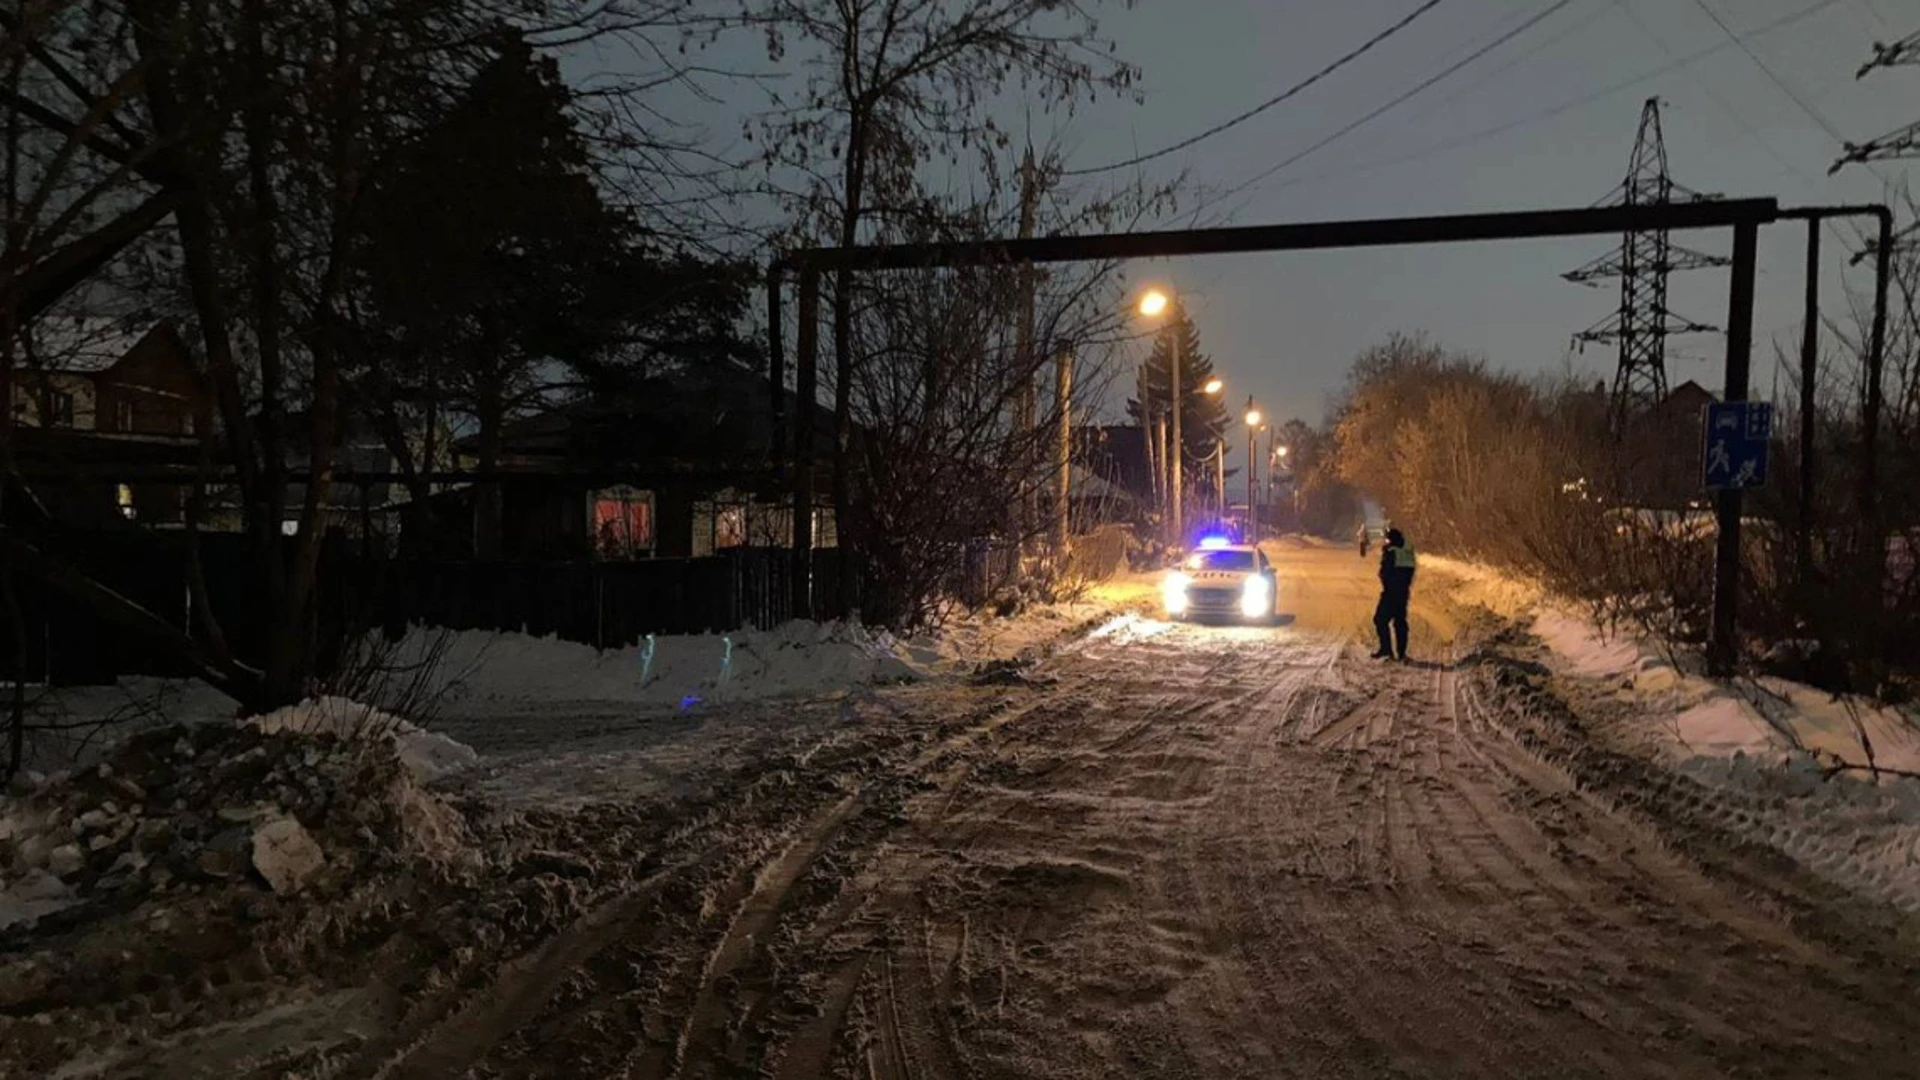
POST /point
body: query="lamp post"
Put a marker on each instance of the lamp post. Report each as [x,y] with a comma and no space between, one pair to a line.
[1276,459]
[1152,304]
[1253,468]
[1212,387]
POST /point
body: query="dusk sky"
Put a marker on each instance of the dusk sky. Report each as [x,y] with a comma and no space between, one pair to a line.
[1287,325]
[1546,119]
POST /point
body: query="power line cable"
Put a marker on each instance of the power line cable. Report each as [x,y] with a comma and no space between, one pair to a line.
[1564,107]
[1825,124]
[1495,72]
[1725,106]
[1418,88]
[1290,92]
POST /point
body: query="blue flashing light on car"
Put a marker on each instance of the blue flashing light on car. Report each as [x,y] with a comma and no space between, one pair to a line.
[1214,543]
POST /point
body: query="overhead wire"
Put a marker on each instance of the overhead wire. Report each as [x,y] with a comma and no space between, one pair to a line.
[1397,100]
[1564,107]
[1825,124]
[1292,91]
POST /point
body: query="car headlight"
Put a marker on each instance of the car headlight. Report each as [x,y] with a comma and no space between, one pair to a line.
[1174,591]
[1255,596]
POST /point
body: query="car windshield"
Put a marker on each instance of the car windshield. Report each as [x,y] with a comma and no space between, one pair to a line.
[1220,560]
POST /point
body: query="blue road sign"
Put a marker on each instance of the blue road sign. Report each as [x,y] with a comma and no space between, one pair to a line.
[1738,434]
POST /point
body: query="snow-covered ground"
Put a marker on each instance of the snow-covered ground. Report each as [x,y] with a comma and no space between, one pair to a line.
[1808,773]
[486,672]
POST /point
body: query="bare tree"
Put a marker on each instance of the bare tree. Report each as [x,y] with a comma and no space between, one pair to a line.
[893,86]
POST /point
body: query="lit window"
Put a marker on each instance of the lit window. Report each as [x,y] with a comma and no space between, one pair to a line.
[622,523]
[124,498]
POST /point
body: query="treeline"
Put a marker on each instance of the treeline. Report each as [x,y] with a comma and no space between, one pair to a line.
[430,218]
[1529,476]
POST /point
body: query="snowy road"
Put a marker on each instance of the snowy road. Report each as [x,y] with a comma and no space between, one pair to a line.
[1183,852]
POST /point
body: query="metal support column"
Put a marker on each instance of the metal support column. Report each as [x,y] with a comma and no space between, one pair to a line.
[1063,404]
[1809,378]
[1723,648]
[805,392]
[776,375]
[1876,357]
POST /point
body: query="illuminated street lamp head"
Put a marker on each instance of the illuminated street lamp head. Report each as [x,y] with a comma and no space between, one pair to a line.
[1281,450]
[1213,386]
[1153,303]
[1253,417]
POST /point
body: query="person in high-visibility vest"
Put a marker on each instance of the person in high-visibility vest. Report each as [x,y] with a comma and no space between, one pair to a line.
[1397,563]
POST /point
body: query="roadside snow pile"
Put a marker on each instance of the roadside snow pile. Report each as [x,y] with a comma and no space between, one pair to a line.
[1722,727]
[1784,765]
[177,809]
[1858,831]
[69,726]
[479,670]
[1503,594]
[1584,648]
[430,756]
[979,640]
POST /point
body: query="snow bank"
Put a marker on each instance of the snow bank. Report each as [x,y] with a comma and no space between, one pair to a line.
[1722,727]
[1854,829]
[292,801]
[429,756]
[965,643]
[1786,765]
[1583,648]
[1505,594]
[481,671]
[64,715]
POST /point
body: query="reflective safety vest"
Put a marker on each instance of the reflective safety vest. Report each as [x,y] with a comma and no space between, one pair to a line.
[1403,558]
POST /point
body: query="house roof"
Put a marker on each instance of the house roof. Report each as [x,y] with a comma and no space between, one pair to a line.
[716,416]
[87,344]
[1086,484]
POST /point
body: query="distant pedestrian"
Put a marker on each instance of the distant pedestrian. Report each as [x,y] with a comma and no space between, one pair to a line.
[1365,536]
[1396,588]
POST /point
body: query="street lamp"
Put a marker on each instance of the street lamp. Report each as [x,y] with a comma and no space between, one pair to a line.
[1214,386]
[1276,459]
[1154,303]
[1253,437]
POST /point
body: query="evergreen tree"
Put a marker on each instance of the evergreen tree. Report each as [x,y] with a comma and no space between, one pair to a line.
[1203,419]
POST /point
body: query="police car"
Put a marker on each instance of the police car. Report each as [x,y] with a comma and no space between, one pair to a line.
[1222,580]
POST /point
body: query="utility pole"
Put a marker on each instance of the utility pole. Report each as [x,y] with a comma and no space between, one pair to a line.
[1641,324]
[1253,469]
[1063,451]
[1160,455]
[1901,142]
[1220,476]
[1026,370]
[1270,464]
[1723,648]
[1809,350]
[1178,405]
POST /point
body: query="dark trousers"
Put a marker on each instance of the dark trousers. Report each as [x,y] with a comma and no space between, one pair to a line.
[1391,611]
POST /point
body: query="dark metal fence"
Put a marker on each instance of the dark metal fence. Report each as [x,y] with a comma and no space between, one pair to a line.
[604,604]
[607,604]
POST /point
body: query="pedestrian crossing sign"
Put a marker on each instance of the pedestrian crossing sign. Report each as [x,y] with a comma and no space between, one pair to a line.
[1738,436]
